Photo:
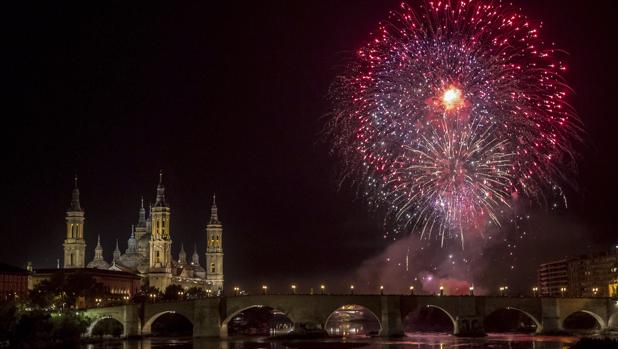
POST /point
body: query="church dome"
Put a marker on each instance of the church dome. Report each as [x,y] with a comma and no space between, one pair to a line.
[198,271]
[98,264]
[142,267]
[143,243]
[186,272]
[130,260]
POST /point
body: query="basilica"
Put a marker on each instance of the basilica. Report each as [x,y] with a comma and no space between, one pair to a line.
[148,253]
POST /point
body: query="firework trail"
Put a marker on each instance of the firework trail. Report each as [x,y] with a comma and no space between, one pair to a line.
[451,113]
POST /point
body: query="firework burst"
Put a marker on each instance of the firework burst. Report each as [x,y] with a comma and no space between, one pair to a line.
[451,113]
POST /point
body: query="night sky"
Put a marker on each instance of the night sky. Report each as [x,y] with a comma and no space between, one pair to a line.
[230,98]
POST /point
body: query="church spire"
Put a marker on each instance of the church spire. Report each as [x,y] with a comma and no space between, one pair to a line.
[160,201]
[116,252]
[182,255]
[75,206]
[141,221]
[98,261]
[195,259]
[149,217]
[132,242]
[214,218]
[98,251]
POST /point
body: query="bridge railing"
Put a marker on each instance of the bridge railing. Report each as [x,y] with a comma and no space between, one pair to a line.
[339,294]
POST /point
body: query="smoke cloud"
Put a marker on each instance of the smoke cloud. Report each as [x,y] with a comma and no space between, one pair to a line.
[507,256]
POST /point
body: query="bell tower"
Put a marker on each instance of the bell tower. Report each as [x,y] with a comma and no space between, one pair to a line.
[74,244]
[214,249]
[160,272]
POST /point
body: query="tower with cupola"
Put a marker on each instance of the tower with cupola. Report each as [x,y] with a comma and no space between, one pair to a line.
[160,266]
[214,249]
[74,244]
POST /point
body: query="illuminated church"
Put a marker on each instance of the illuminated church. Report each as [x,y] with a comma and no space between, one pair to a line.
[148,253]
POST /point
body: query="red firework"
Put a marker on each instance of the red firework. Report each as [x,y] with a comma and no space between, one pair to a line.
[451,112]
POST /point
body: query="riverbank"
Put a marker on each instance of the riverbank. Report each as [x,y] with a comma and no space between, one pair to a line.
[416,341]
[596,343]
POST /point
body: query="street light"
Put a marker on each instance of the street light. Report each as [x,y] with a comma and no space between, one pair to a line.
[351,289]
[562,291]
[236,290]
[471,288]
[322,288]
[595,290]
[441,290]
[535,291]
[293,289]
[411,290]
[381,290]
[264,289]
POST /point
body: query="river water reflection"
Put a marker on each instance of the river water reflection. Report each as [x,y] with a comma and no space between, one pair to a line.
[422,341]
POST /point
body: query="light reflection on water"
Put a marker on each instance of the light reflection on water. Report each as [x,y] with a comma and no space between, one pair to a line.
[421,341]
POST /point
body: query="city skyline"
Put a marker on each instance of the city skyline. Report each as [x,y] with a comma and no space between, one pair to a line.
[241,117]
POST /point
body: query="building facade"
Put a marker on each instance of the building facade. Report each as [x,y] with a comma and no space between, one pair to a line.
[13,282]
[149,248]
[581,276]
[114,282]
[553,278]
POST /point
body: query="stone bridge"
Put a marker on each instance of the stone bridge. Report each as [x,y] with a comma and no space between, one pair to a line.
[210,316]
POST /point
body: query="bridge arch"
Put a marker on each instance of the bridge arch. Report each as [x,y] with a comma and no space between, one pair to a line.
[441,309]
[355,308]
[537,323]
[224,330]
[612,322]
[98,319]
[599,319]
[455,325]
[147,329]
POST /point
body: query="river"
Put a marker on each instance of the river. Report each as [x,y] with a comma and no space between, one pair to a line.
[420,341]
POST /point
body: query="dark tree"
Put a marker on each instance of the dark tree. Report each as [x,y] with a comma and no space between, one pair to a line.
[62,290]
[82,285]
[8,319]
[33,326]
[146,293]
[195,293]
[44,295]
[68,327]
[173,292]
